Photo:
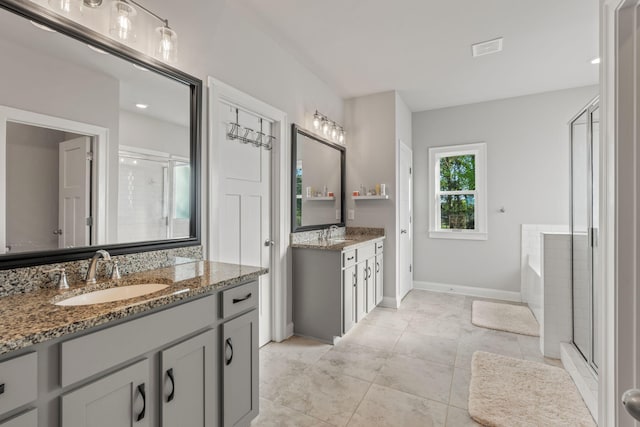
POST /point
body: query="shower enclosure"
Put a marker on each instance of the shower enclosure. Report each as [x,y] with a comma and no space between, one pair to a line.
[584,133]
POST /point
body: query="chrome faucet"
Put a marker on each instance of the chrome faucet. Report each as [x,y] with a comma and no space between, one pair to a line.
[91,272]
[331,230]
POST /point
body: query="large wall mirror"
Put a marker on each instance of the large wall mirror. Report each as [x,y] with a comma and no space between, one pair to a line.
[317,176]
[99,145]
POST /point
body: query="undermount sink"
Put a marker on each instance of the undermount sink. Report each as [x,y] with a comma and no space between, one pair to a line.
[113,294]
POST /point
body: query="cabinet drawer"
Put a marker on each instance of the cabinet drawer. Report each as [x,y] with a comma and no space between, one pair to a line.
[239,299]
[348,258]
[366,251]
[25,419]
[379,247]
[18,382]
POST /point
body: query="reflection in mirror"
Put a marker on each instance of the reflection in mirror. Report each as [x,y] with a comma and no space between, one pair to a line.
[318,175]
[95,150]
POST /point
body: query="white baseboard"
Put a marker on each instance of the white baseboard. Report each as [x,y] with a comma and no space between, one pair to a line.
[389,302]
[582,375]
[468,291]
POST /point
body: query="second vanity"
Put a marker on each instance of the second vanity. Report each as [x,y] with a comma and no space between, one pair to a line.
[336,283]
[186,355]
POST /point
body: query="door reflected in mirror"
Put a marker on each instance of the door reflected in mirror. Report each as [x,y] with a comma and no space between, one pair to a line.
[318,177]
[96,150]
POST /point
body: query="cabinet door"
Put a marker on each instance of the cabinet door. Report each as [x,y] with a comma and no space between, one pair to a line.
[361,291]
[371,284]
[121,399]
[349,284]
[188,383]
[379,278]
[240,370]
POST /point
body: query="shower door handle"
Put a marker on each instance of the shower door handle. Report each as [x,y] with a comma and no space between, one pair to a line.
[631,402]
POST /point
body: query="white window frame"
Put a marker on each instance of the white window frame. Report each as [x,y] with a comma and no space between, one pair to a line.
[479,150]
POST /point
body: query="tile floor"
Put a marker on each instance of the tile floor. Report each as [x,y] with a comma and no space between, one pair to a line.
[406,367]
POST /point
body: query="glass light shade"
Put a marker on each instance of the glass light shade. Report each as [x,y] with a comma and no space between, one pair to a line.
[334,131]
[341,136]
[166,44]
[67,7]
[325,127]
[316,120]
[123,21]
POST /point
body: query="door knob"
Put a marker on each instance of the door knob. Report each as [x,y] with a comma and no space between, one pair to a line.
[57,232]
[403,231]
[631,402]
[269,242]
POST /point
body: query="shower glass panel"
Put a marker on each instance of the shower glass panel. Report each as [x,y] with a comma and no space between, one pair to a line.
[584,214]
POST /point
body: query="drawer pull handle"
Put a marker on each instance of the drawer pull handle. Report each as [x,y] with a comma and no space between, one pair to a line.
[350,258]
[229,358]
[246,297]
[354,281]
[2,388]
[369,270]
[172,395]
[377,267]
[144,402]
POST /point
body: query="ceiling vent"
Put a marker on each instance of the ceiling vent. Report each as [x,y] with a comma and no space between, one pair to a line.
[487,48]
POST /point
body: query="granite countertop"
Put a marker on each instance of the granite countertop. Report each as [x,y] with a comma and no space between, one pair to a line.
[33,317]
[339,243]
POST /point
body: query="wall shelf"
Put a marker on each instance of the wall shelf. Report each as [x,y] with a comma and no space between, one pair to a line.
[320,198]
[385,197]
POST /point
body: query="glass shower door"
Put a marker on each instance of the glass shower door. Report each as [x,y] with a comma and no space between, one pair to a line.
[584,214]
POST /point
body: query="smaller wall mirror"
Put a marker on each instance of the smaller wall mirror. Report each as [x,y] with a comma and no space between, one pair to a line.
[317,177]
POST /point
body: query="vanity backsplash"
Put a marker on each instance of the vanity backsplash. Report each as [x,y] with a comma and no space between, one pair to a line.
[27,279]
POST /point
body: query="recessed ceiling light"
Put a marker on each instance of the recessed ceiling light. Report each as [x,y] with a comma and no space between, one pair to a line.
[487,47]
[42,27]
[595,61]
[142,106]
[98,50]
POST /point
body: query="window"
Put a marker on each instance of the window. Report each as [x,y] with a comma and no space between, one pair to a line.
[458,192]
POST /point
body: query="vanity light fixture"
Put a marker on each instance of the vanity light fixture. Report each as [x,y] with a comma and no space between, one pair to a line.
[66,7]
[122,23]
[142,106]
[330,129]
[122,27]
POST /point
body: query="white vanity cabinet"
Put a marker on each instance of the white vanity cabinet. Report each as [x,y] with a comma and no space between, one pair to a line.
[335,289]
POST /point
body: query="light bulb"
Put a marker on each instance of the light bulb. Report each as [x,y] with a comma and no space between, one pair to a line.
[67,7]
[325,127]
[167,44]
[341,136]
[123,21]
[334,131]
[316,120]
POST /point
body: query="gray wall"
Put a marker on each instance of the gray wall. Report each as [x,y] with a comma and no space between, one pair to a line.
[32,187]
[375,124]
[528,173]
[143,131]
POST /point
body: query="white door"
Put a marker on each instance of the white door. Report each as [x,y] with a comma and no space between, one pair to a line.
[405,212]
[245,193]
[74,185]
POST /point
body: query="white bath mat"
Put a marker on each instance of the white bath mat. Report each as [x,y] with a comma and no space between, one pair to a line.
[508,392]
[505,317]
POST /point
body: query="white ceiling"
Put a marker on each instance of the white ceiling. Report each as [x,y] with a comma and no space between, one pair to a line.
[422,48]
